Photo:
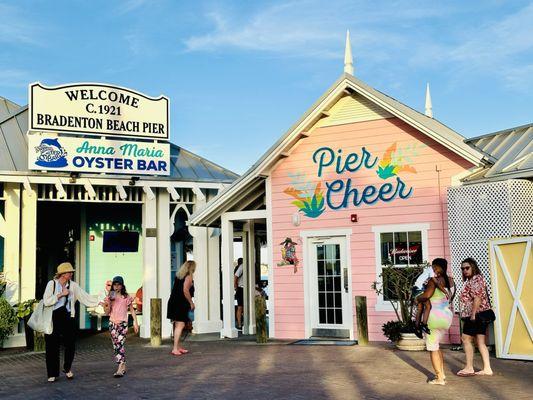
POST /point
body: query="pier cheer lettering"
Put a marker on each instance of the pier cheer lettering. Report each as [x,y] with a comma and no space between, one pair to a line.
[327,159]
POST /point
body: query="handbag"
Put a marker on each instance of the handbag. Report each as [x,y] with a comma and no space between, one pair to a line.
[41,318]
[486,317]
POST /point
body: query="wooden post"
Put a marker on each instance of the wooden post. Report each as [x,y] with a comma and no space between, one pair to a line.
[260,320]
[155,322]
[362,321]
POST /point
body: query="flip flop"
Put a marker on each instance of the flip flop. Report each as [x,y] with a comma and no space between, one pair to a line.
[481,373]
[437,382]
[465,374]
[183,351]
[176,355]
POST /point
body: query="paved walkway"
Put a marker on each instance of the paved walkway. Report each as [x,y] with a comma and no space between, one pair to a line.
[244,370]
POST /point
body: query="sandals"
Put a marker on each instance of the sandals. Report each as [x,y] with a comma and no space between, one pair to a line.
[437,382]
[482,373]
[69,375]
[464,373]
[52,379]
[121,371]
[183,351]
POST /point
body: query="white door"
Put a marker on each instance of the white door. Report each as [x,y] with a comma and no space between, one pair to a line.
[330,288]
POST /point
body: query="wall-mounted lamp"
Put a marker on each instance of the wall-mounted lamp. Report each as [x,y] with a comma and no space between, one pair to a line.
[73,177]
[133,179]
[296,219]
[353,217]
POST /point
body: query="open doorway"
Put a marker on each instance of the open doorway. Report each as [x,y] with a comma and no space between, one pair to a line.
[58,235]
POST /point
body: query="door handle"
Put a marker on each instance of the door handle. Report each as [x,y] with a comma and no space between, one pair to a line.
[345,273]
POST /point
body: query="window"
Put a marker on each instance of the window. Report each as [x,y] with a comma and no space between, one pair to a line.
[400,246]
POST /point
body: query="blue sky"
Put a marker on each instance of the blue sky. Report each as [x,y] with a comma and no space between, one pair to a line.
[239,74]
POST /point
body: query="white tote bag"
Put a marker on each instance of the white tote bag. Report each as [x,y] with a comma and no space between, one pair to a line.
[41,318]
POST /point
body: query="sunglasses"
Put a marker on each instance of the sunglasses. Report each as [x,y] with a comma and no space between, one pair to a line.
[465,268]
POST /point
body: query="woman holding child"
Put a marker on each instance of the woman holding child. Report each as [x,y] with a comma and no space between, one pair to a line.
[437,293]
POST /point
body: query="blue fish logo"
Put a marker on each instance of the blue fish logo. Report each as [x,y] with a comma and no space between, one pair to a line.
[52,155]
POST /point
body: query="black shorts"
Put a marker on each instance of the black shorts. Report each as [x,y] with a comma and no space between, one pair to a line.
[239,296]
[473,328]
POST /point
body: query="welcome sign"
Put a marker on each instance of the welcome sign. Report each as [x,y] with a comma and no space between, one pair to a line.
[98,109]
[70,154]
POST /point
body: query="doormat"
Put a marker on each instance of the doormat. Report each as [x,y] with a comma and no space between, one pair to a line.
[325,342]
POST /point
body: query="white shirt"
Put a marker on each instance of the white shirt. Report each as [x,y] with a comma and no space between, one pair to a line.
[239,274]
[63,300]
[426,274]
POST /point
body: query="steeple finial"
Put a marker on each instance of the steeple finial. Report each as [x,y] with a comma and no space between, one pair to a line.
[429,106]
[348,59]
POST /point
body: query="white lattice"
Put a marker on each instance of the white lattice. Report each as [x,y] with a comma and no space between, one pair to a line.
[479,212]
[479,251]
[521,202]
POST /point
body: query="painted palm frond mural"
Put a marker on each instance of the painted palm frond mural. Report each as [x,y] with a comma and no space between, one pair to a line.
[309,197]
[397,160]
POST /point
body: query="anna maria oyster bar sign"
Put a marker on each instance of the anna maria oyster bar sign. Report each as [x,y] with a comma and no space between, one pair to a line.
[64,120]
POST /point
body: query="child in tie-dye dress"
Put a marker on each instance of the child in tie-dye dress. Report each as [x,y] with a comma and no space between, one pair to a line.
[117,304]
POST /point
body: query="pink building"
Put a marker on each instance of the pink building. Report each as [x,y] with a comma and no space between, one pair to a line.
[359,179]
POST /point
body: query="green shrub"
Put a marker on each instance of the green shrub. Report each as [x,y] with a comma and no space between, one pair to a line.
[8,319]
[393,330]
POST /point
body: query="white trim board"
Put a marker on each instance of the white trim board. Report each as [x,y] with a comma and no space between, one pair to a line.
[382,305]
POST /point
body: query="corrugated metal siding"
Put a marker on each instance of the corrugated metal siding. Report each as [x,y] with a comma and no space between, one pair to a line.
[353,108]
[513,150]
[7,108]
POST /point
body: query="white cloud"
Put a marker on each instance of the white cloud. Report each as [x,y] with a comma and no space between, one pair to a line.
[306,28]
[383,33]
[16,29]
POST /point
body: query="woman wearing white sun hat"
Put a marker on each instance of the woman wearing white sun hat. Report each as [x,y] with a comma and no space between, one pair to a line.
[62,293]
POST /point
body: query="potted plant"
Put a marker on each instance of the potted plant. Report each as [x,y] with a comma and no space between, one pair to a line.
[396,287]
[8,320]
[24,310]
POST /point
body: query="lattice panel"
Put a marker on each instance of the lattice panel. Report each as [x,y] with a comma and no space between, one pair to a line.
[479,212]
[521,202]
[479,251]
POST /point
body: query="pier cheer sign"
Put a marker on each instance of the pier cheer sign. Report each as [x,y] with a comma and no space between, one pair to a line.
[47,152]
[97,109]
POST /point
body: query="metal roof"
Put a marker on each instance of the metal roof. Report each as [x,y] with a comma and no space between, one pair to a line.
[511,148]
[184,165]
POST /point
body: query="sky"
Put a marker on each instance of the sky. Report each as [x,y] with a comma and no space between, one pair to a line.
[240,73]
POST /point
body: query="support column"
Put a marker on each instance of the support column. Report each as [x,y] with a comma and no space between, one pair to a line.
[215,321]
[149,225]
[12,241]
[206,281]
[201,278]
[163,258]
[228,329]
[250,248]
[28,244]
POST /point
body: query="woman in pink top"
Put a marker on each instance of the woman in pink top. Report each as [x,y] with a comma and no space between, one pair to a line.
[117,304]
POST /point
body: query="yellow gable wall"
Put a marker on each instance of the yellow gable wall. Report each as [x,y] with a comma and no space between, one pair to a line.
[352,108]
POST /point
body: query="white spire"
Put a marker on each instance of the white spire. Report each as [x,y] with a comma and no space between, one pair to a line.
[348,59]
[429,106]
